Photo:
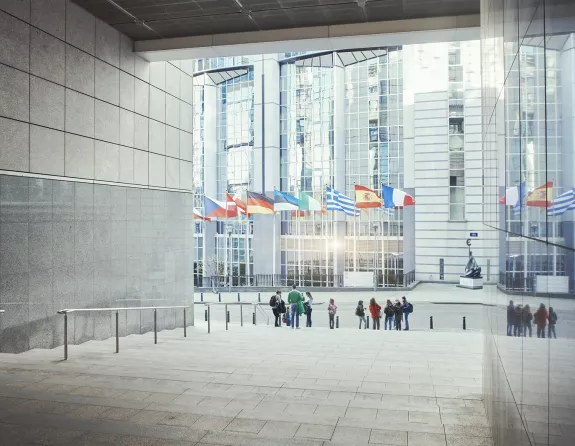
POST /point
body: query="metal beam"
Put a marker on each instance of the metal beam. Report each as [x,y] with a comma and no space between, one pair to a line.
[334,37]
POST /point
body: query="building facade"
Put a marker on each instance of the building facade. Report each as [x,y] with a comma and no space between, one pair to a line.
[408,117]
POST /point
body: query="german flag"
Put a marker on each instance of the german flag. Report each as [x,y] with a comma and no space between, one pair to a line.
[259,204]
[540,196]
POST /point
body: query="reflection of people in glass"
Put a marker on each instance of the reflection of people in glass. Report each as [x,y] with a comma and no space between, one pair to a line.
[552,321]
[541,317]
[510,317]
[472,270]
[527,318]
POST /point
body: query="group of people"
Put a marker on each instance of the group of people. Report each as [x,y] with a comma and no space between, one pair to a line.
[519,320]
[299,304]
[394,313]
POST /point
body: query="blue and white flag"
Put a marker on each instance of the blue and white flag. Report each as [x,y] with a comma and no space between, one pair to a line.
[563,203]
[285,202]
[336,201]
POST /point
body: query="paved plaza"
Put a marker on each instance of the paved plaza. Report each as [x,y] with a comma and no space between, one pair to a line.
[249,386]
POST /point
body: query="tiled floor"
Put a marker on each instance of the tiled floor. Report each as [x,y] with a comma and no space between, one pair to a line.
[250,386]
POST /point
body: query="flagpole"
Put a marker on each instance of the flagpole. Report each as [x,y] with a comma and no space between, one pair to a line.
[554,247]
[247,247]
[354,241]
[226,240]
[397,246]
[274,250]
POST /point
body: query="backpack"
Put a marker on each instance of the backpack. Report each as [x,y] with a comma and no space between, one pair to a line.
[359,311]
[272,301]
[409,307]
[282,307]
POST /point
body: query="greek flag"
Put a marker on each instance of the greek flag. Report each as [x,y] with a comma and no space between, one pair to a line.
[563,203]
[336,201]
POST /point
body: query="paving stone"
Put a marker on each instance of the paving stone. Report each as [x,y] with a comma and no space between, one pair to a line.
[278,407]
[315,431]
[88,412]
[148,417]
[424,417]
[351,435]
[212,423]
[388,437]
[60,436]
[360,412]
[279,429]
[425,439]
[118,413]
[467,431]
[245,425]
[393,416]
[180,419]
[459,440]
[300,409]
[330,411]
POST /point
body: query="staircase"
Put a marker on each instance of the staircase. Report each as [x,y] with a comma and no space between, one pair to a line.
[251,385]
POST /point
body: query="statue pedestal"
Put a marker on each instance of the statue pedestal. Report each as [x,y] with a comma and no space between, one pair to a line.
[470,283]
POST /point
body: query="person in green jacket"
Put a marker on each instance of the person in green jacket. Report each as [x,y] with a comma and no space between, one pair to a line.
[295,299]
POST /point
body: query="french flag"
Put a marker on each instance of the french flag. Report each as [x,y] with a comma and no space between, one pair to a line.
[514,196]
[395,198]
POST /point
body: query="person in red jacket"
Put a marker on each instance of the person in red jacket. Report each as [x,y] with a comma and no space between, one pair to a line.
[375,311]
[541,317]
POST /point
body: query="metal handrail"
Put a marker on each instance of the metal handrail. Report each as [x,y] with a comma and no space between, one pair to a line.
[1,311]
[117,310]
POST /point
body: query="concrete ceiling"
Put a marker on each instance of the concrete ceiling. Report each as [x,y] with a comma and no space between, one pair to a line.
[158,19]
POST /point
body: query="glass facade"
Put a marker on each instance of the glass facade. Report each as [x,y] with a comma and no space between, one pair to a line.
[306,165]
[374,156]
[528,55]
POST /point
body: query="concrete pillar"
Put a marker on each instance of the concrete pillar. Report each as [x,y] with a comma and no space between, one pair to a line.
[210,170]
[266,160]
[339,165]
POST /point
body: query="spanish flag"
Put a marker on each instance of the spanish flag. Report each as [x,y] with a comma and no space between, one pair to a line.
[541,196]
[366,198]
[259,204]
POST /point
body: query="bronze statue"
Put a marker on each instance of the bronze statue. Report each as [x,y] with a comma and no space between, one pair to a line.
[472,270]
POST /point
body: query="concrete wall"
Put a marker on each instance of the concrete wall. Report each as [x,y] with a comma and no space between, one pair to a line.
[87,129]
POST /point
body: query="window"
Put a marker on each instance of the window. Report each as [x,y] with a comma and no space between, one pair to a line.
[456,135]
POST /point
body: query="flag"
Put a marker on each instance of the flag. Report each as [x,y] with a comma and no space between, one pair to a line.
[285,202]
[299,213]
[199,216]
[395,198]
[388,211]
[336,201]
[513,195]
[259,204]
[366,198]
[540,196]
[308,203]
[240,205]
[563,203]
[217,209]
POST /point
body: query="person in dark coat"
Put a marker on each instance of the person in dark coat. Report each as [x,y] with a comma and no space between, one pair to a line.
[541,317]
[527,317]
[510,318]
[398,315]
[277,307]
[552,321]
[517,319]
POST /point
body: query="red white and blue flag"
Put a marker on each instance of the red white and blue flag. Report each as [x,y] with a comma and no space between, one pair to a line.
[395,198]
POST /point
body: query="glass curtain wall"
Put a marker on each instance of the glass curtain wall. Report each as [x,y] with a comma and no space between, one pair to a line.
[306,156]
[374,156]
[198,180]
[235,142]
[528,60]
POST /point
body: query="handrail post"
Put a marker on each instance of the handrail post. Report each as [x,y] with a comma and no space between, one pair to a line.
[117,334]
[241,315]
[185,328]
[155,326]
[65,336]
[209,317]
[255,315]
[226,315]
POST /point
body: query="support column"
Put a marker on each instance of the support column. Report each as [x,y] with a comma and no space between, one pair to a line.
[339,166]
[210,170]
[266,160]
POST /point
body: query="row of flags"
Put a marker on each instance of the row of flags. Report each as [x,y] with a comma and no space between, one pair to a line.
[516,197]
[365,198]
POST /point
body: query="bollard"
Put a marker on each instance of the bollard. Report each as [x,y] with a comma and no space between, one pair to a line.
[201,297]
[209,317]
[65,336]
[206,316]
[219,297]
[227,316]
[464,324]
[367,322]
[185,325]
[337,322]
[254,318]
[259,297]
[238,297]
[241,315]
[431,322]
[155,326]
[117,335]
